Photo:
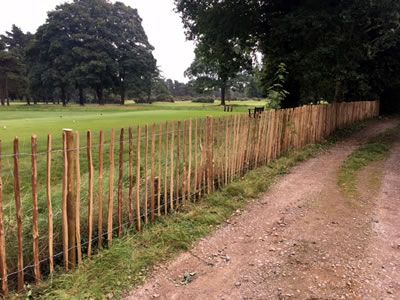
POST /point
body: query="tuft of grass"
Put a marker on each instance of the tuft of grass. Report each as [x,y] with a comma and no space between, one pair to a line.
[127,263]
[376,149]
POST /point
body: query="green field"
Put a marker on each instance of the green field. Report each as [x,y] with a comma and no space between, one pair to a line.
[23,121]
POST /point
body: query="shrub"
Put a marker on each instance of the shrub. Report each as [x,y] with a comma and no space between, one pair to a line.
[203,100]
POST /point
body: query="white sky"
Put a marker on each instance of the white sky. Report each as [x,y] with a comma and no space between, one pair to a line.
[163,27]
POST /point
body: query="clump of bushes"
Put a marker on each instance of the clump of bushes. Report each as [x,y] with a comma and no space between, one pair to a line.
[203,100]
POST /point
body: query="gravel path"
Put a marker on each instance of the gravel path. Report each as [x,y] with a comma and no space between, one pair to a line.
[301,240]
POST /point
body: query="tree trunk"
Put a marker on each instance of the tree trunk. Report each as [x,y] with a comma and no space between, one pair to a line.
[6,91]
[223,94]
[2,93]
[81,98]
[28,100]
[99,93]
[122,93]
[63,97]
[339,92]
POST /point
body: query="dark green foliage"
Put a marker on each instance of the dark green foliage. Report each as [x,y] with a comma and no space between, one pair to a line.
[92,44]
[333,50]
[13,79]
[203,100]
[219,56]
[276,92]
[160,91]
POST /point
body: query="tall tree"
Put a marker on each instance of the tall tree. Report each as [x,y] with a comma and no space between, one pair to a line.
[13,73]
[93,44]
[220,54]
[333,50]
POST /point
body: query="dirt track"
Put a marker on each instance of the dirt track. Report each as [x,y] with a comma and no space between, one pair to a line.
[301,240]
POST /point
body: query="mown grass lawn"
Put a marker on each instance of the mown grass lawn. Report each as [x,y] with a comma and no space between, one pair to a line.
[23,121]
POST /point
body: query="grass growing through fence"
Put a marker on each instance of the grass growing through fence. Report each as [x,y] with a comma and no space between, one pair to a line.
[127,263]
[375,149]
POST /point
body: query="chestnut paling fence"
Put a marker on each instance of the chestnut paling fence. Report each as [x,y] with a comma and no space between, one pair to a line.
[63,199]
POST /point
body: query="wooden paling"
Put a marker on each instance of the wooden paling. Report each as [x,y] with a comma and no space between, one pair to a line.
[35,212]
[3,255]
[91,191]
[190,161]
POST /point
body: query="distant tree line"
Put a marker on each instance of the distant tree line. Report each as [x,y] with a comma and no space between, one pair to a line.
[92,51]
[86,49]
[311,50]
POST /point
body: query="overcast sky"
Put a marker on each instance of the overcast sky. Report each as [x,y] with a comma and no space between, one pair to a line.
[163,27]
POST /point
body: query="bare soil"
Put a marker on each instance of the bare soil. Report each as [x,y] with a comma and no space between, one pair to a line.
[302,240]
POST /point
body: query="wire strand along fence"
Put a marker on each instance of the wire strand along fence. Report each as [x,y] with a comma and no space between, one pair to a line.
[62,204]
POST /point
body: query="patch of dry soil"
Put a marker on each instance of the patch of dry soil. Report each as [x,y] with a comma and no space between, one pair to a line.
[301,240]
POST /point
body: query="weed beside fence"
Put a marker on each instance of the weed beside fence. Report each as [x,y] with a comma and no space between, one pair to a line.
[61,205]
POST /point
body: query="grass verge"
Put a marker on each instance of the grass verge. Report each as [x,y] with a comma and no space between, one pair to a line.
[376,149]
[130,259]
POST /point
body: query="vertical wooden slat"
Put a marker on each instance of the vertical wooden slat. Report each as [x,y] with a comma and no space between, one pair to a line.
[35,212]
[50,205]
[226,146]
[18,207]
[101,190]
[208,157]
[138,212]
[171,166]
[120,183]
[153,173]
[160,147]
[130,193]
[78,199]
[91,191]
[64,203]
[202,183]
[189,178]
[233,149]
[3,255]
[212,173]
[184,174]
[111,191]
[166,169]
[146,179]
[196,156]
[178,164]
[71,199]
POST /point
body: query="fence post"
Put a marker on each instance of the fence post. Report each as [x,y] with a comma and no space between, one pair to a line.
[78,198]
[166,169]
[71,209]
[120,183]
[49,205]
[101,189]
[110,213]
[153,173]
[138,220]
[64,203]
[171,186]
[35,211]
[130,194]
[91,191]
[18,207]
[3,262]
[178,164]
[159,170]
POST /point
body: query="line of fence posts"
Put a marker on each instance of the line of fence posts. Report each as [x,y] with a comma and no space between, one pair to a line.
[182,161]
